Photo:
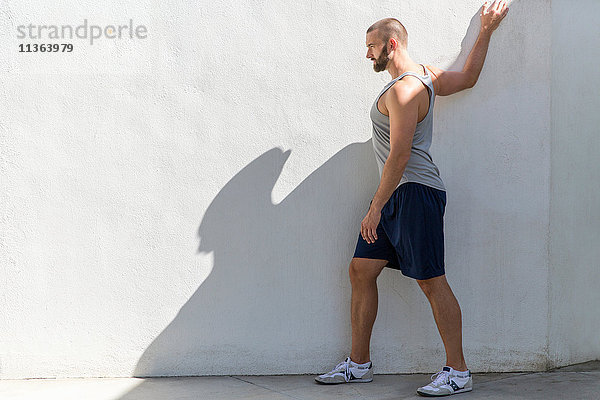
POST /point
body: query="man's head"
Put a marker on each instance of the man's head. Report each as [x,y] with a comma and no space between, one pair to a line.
[384,37]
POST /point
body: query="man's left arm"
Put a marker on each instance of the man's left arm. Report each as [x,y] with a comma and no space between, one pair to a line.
[449,82]
[403,108]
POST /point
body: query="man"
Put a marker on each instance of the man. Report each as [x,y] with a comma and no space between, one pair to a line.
[403,228]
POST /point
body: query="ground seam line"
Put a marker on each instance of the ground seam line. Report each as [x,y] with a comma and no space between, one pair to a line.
[263,387]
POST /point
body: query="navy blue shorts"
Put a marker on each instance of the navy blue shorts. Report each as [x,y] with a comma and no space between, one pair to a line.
[410,234]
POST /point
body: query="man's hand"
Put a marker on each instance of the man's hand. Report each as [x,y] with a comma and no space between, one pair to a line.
[368,226]
[492,15]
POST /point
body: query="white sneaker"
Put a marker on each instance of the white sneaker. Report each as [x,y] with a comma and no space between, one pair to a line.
[347,371]
[448,381]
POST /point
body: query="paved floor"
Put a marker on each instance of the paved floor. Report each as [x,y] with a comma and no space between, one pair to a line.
[581,381]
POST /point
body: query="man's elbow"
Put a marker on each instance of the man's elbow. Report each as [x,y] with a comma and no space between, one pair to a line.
[470,83]
[399,158]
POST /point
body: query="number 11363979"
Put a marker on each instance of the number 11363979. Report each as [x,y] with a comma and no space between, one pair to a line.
[45,48]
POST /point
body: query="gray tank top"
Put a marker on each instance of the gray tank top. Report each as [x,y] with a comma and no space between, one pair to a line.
[420,167]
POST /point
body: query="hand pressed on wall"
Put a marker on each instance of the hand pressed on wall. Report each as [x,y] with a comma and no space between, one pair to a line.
[491,16]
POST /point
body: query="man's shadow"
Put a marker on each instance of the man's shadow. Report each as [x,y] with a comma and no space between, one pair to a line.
[275,266]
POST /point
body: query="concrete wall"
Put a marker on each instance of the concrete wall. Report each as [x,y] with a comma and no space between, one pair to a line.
[188,203]
[575,198]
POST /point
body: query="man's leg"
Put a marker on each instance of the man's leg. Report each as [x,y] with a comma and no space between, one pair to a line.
[447,315]
[363,276]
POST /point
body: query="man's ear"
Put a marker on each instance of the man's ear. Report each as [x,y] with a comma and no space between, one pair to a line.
[394,44]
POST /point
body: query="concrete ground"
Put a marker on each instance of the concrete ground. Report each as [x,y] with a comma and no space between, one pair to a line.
[581,381]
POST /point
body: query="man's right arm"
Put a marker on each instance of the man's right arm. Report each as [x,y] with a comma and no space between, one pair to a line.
[450,82]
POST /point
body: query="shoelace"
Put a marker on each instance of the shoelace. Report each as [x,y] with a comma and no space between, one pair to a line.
[438,378]
[344,367]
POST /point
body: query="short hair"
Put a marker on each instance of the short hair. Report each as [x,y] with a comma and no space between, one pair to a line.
[390,28]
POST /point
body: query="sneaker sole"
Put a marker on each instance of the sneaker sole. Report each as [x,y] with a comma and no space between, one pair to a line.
[352,381]
[442,395]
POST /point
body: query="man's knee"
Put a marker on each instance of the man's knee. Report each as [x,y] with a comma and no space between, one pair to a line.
[365,270]
[430,286]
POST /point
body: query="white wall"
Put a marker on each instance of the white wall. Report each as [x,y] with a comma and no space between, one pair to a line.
[189,203]
[575,196]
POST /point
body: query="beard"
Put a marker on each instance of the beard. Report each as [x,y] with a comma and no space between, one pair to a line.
[382,61]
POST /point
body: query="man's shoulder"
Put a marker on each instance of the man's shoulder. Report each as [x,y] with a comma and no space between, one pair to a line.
[406,89]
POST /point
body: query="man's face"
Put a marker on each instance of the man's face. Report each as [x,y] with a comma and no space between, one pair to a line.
[377,51]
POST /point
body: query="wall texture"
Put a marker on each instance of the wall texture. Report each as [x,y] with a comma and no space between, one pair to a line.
[575,198]
[188,203]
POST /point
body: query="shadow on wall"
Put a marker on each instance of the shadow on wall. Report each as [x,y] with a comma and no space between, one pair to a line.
[264,255]
[467,43]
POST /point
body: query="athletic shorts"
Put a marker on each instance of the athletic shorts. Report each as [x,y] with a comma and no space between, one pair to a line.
[410,234]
